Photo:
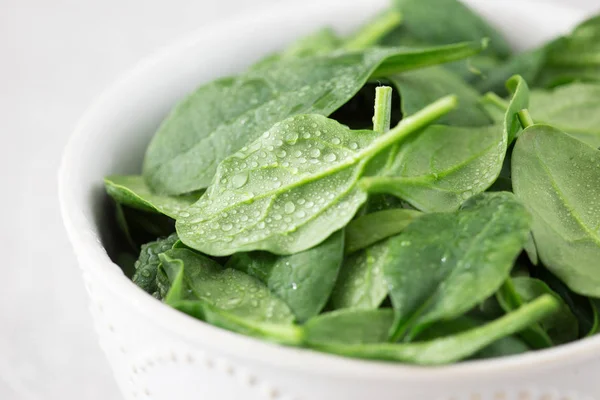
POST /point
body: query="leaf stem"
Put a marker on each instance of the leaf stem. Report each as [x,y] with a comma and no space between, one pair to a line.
[371,33]
[382,118]
[413,124]
[525,118]
[493,98]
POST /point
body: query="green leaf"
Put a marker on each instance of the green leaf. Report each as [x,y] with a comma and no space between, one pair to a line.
[509,299]
[527,64]
[220,117]
[573,108]
[557,177]
[132,191]
[443,166]
[451,348]
[293,187]
[349,327]
[147,263]
[446,21]
[463,258]
[421,87]
[360,284]
[583,308]
[225,289]
[575,57]
[303,280]
[372,228]
[562,326]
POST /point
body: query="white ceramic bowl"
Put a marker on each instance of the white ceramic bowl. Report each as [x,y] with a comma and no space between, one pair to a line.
[159,353]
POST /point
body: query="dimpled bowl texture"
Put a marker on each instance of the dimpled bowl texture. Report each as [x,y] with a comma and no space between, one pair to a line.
[159,353]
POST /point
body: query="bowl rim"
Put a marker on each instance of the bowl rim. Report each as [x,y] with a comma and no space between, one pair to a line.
[91,253]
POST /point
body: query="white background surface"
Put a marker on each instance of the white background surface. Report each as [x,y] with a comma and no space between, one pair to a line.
[55,57]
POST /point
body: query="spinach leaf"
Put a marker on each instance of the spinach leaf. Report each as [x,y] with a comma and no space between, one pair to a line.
[463,258]
[574,57]
[360,284]
[527,64]
[562,326]
[451,348]
[225,289]
[442,167]
[420,87]
[371,228]
[303,280]
[583,308]
[220,117]
[561,190]
[132,191]
[349,327]
[443,22]
[293,187]
[147,263]
[505,346]
[573,108]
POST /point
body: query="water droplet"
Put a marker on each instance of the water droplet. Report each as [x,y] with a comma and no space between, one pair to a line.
[336,140]
[315,153]
[226,227]
[353,145]
[239,180]
[405,243]
[289,207]
[294,286]
[281,153]
[330,157]
[291,137]
[300,214]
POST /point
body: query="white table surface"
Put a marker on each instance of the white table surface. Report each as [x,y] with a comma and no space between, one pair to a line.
[55,57]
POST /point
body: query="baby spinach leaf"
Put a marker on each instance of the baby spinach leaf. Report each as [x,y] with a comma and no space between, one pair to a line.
[360,284]
[509,299]
[463,258]
[303,280]
[349,327]
[371,228]
[420,87]
[582,307]
[148,261]
[561,190]
[225,289]
[527,64]
[505,346]
[574,57]
[442,167]
[573,108]
[220,117]
[131,190]
[293,187]
[451,348]
[562,326]
[446,21]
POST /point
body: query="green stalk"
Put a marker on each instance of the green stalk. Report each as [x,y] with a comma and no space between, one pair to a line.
[413,123]
[525,118]
[382,118]
[371,33]
[451,348]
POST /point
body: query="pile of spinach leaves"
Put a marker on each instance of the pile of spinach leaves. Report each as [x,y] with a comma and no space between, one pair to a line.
[414,192]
